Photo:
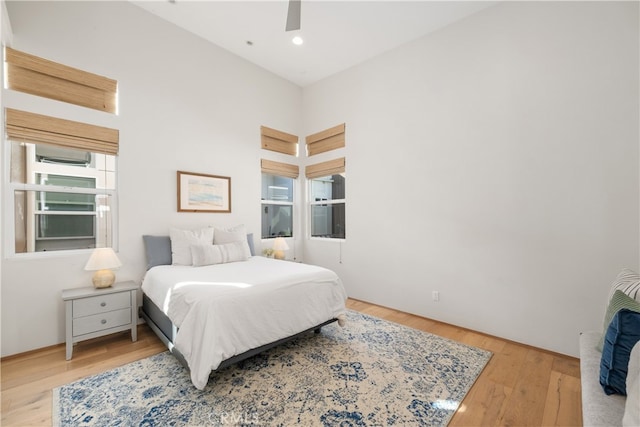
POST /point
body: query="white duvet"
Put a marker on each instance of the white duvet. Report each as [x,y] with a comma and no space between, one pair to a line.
[226,309]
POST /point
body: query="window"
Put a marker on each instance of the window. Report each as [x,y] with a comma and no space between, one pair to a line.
[327,199]
[277,206]
[62,183]
[328,207]
[63,198]
[277,198]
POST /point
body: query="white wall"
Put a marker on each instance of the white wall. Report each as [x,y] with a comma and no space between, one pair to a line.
[184,105]
[495,161]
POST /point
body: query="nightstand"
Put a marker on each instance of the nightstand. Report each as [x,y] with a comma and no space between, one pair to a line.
[92,312]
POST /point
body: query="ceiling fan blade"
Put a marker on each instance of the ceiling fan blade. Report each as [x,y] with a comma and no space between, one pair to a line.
[293,15]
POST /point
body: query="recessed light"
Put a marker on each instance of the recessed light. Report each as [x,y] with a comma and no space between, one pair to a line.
[297,40]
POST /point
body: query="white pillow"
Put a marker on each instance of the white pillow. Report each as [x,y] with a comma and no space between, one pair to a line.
[632,405]
[181,241]
[204,254]
[628,281]
[231,235]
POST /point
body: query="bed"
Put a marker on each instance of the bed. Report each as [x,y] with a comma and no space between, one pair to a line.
[211,316]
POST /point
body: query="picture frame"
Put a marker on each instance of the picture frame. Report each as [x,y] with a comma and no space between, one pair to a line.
[199,192]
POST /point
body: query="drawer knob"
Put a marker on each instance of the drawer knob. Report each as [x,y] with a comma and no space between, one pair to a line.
[103,321]
[103,304]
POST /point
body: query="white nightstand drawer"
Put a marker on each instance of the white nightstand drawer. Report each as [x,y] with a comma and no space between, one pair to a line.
[100,304]
[99,322]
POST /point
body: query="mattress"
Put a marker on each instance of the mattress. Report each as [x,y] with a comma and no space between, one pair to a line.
[226,309]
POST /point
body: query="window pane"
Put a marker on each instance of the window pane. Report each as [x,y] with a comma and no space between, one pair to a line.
[53,201]
[327,188]
[37,163]
[328,220]
[20,221]
[62,156]
[40,157]
[277,188]
[49,226]
[277,220]
[52,221]
[18,162]
[65,181]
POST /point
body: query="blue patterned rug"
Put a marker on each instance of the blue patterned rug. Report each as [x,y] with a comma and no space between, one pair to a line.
[369,373]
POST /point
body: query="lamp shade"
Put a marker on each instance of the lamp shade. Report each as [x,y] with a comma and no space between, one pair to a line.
[280,244]
[101,259]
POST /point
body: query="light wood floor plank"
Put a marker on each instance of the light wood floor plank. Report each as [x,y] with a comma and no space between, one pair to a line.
[563,399]
[519,386]
[531,389]
[484,405]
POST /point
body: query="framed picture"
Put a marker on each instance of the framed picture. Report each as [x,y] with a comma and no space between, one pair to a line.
[198,192]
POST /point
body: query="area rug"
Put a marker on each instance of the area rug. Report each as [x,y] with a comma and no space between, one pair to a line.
[371,372]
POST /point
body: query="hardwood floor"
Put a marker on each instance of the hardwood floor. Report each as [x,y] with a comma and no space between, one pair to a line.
[520,386]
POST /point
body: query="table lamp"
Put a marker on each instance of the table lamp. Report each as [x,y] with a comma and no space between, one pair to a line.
[102,260]
[279,246]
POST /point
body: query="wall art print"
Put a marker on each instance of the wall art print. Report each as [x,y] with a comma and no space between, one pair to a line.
[198,192]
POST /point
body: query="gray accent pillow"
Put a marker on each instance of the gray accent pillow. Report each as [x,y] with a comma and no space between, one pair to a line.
[157,250]
[252,249]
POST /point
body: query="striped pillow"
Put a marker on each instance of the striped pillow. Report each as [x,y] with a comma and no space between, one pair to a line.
[628,281]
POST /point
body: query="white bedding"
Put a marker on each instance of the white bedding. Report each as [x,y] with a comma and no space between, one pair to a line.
[226,309]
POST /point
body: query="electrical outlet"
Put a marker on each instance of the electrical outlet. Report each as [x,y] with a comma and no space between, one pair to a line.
[436,296]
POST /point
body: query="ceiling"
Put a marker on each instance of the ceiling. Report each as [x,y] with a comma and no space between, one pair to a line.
[337,34]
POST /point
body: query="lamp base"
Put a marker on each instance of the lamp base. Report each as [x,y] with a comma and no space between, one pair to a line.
[103,278]
[278,254]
